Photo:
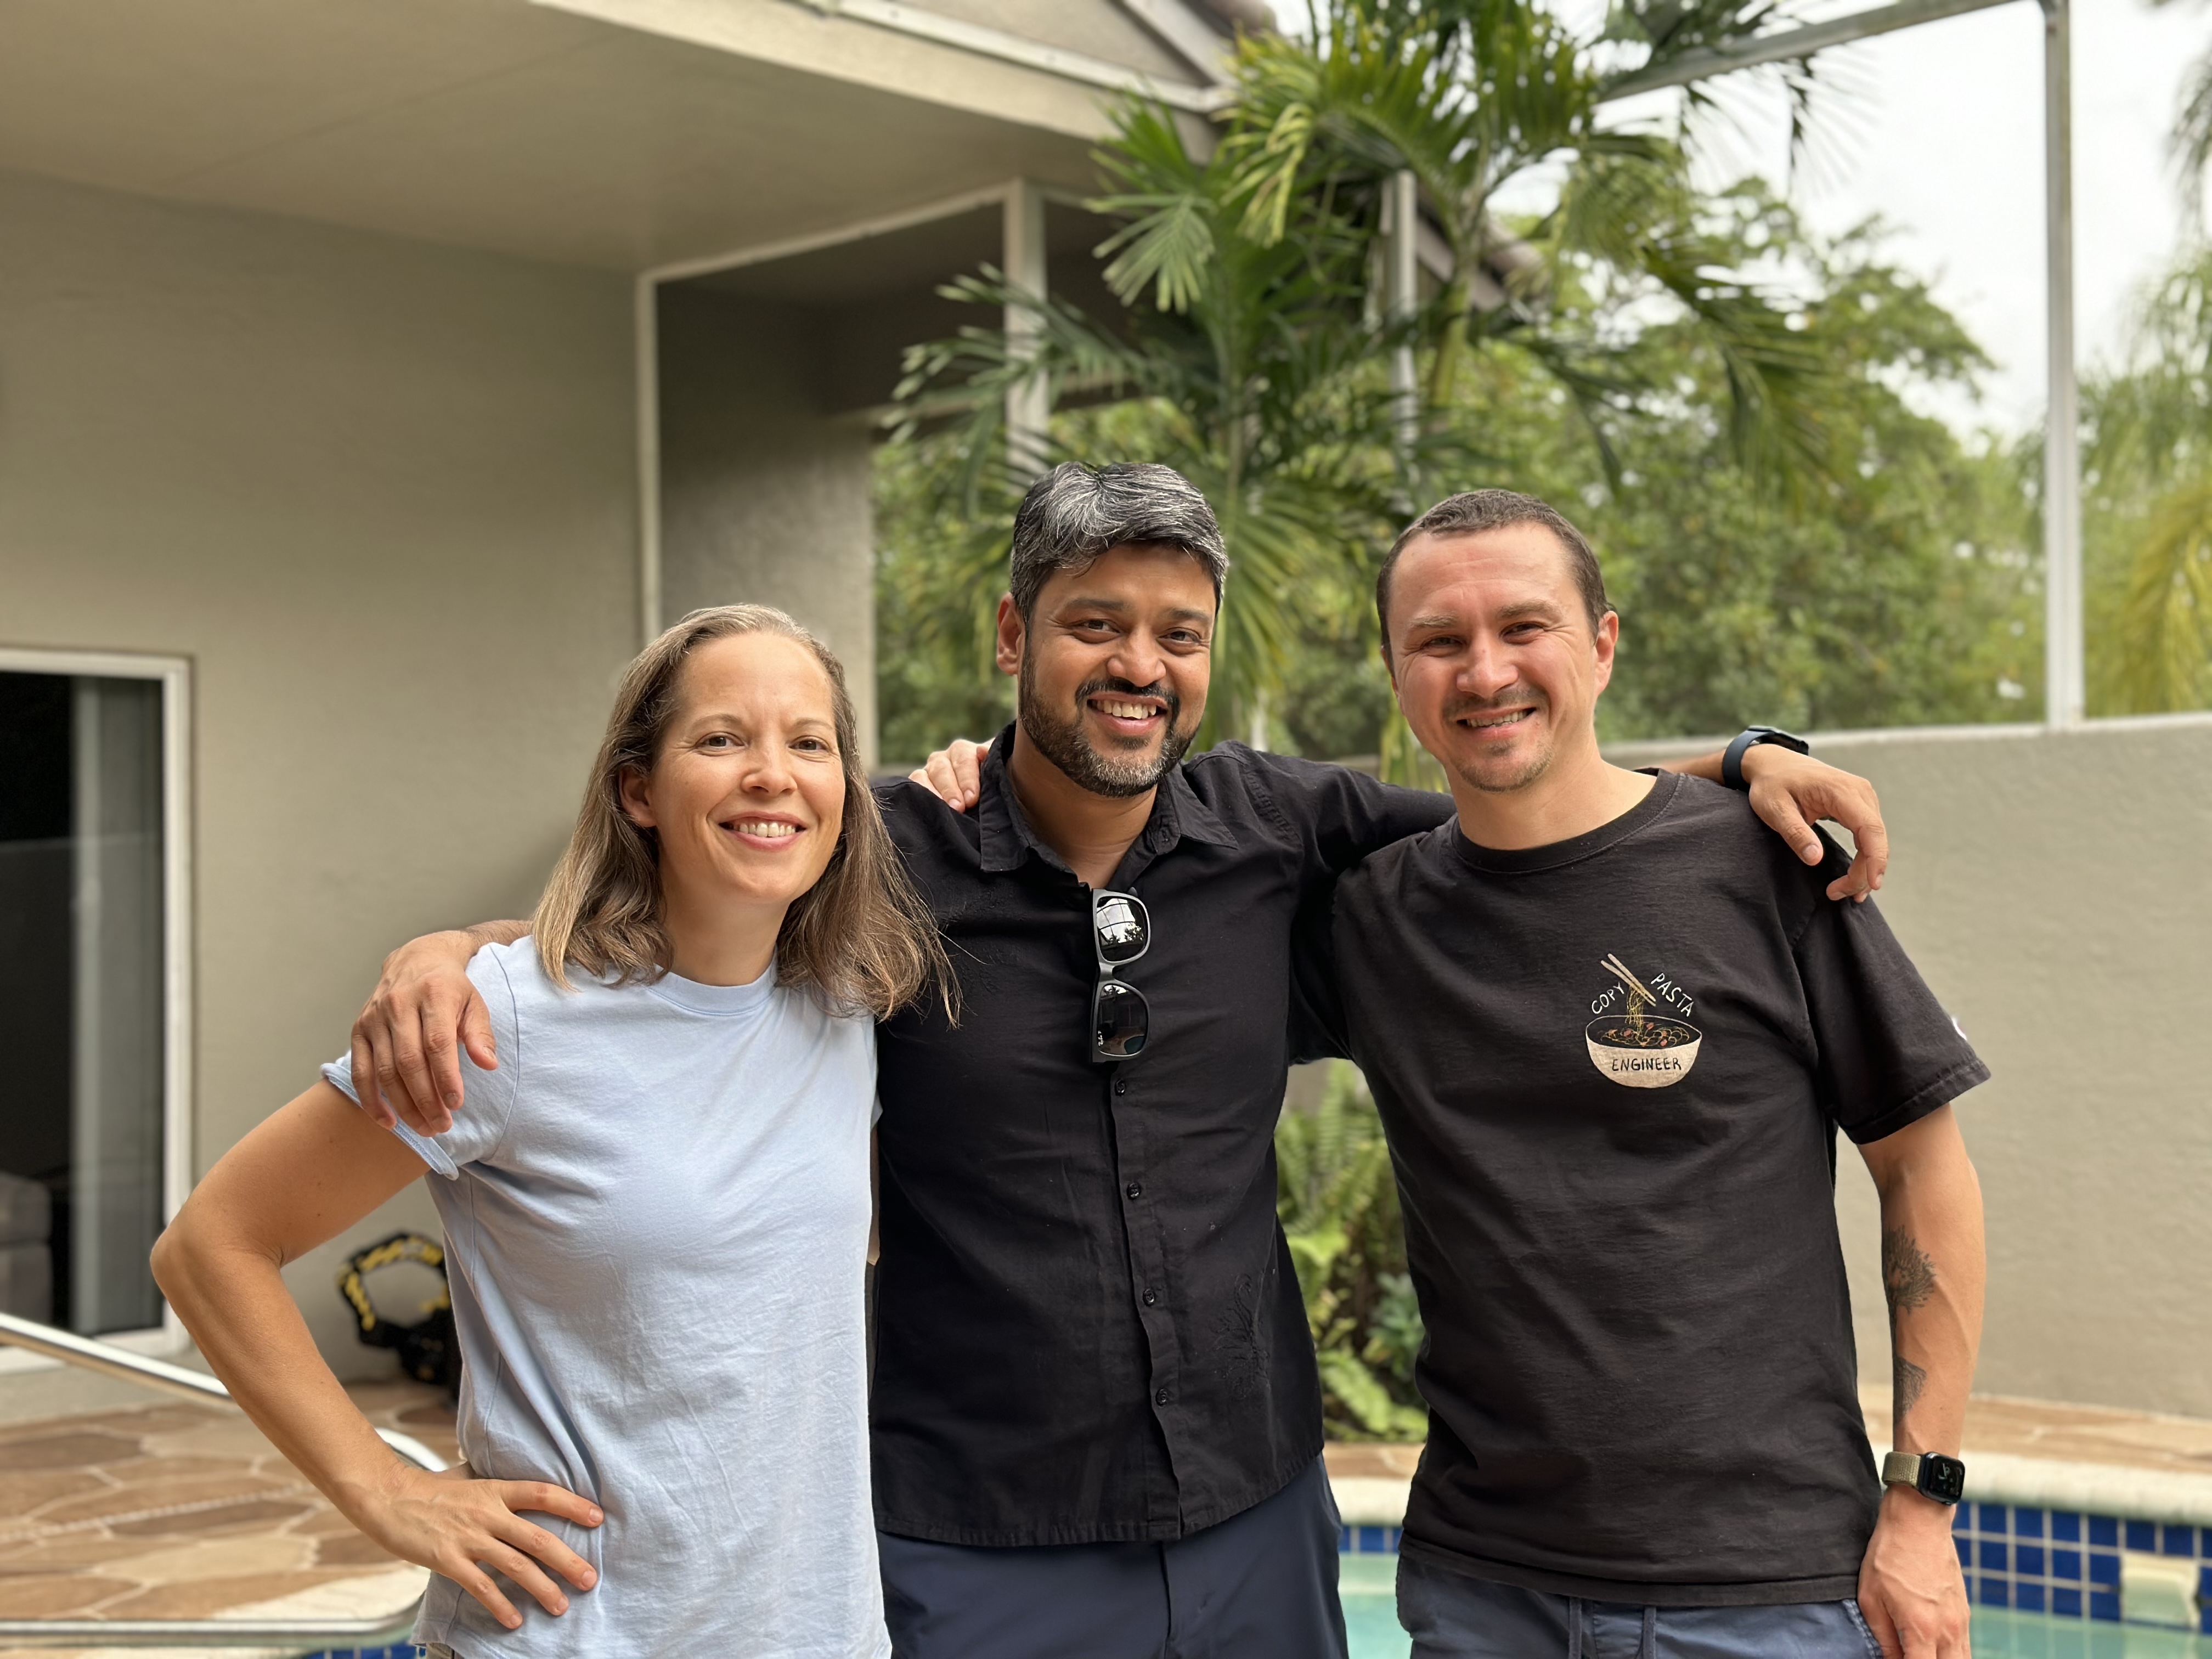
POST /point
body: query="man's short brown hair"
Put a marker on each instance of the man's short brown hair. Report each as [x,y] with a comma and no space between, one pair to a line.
[1473,510]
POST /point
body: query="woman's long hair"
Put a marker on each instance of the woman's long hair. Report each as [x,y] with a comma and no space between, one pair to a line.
[860,939]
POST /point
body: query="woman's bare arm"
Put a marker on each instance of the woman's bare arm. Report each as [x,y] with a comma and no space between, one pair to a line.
[299,1180]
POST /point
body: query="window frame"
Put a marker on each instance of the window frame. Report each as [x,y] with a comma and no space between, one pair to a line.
[175,675]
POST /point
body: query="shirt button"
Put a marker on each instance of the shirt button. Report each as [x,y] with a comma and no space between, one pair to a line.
[1151,1298]
[1120,1088]
[1134,1189]
[1161,1398]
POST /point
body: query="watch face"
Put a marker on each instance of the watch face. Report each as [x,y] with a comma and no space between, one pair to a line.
[1943,1478]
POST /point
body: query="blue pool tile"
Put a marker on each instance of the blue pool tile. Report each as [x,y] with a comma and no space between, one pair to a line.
[2028,1598]
[1993,1593]
[2104,1530]
[1962,1518]
[1370,1541]
[2204,1582]
[2027,1560]
[1991,1518]
[1993,1555]
[2104,1604]
[2066,1603]
[1966,1553]
[2066,1526]
[2028,1523]
[1344,1540]
[2142,1535]
[2103,1569]
[2066,1563]
[2178,1540]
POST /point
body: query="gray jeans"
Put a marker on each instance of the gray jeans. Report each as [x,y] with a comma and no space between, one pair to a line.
[1450,1616]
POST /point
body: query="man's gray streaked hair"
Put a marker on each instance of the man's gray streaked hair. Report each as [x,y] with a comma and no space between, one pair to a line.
[1075,513]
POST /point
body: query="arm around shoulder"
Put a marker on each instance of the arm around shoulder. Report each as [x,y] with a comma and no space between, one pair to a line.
[422,1016]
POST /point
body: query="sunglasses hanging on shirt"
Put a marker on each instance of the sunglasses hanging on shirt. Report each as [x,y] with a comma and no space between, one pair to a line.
[1120,931]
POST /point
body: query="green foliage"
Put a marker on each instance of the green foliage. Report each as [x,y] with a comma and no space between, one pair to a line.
[2147,506]
[940,568]
[1247,366]
[1339,1204]
[1723,400]
[1897,588]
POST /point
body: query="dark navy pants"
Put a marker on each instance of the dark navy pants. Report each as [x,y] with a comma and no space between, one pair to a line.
[1260,1585]
[1450,1616]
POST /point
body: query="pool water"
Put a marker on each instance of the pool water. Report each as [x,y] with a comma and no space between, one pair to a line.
[1370,1618]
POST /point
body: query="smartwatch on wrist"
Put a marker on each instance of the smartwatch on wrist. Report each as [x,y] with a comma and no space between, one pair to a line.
[1749,738]
[1930,1473]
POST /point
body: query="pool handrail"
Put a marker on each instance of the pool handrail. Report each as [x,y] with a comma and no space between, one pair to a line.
[300,1635]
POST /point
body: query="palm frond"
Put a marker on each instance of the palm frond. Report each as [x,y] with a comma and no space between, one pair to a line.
[2167,617]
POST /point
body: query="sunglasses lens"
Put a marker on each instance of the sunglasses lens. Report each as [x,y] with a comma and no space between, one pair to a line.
[1123,928]
[1122,1020]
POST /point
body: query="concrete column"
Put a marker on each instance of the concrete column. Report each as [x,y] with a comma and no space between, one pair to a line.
[2064,697]
[1029,406]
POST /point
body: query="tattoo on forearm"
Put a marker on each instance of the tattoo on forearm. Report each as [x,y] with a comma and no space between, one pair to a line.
[1910,1379]
[1908,1277]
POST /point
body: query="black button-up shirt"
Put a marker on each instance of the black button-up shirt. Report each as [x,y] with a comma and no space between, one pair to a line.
[1088,1328]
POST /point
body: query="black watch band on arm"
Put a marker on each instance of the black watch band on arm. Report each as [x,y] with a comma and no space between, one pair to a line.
[1749,738]
[1931,1474]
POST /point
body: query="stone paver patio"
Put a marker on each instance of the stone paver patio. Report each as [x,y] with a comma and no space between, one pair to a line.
[172,1510]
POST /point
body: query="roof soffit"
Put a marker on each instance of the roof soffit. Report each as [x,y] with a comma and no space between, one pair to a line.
[855,40]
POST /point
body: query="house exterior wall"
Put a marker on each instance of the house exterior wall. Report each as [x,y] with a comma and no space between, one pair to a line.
[764,497]
[2053,888]
[382,496]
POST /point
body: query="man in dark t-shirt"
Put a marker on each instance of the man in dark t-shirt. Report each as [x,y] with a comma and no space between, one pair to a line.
[1612,1029]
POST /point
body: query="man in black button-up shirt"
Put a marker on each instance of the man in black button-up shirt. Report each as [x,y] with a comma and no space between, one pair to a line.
[1087,1324]
[1089,1331]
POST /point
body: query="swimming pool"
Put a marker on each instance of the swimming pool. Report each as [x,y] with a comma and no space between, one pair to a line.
[1370,1617]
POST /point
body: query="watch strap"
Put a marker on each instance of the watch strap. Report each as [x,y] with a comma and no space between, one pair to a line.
[1933,1476]
[1748,739]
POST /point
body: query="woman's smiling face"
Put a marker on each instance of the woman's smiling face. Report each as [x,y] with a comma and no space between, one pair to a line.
[747,795]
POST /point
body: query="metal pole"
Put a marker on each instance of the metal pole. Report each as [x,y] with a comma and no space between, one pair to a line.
[1029,403]
[2065,700]
[1401,296]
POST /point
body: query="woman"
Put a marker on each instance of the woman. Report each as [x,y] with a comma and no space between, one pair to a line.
[656,1211]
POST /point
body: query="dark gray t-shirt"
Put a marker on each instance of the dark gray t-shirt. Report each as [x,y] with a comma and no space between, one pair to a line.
[1611,1070]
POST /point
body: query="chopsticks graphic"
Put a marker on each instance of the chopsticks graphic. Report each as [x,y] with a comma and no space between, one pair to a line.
[1635,986]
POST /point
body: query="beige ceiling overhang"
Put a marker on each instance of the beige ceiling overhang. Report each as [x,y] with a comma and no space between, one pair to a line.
[621,134]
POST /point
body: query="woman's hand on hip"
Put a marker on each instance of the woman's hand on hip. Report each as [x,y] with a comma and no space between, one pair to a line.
[458,1526]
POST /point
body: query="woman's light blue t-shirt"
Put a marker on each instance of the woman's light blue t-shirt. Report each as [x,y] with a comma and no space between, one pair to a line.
[656,1214]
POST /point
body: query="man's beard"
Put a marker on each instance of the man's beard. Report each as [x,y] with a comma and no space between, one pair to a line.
[1530,768]
[1061,740]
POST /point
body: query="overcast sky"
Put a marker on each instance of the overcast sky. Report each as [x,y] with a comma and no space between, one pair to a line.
[1940,129]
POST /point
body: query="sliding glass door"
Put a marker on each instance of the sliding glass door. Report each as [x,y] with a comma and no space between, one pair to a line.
[83,998]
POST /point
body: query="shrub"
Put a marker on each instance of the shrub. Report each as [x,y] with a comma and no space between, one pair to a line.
[1339,1204]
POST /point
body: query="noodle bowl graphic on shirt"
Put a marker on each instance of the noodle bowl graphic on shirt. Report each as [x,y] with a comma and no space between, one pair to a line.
[1636,1046]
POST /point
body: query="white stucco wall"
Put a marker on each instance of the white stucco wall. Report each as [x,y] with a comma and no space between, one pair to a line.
[2054,889]
[764,497]
[381,494]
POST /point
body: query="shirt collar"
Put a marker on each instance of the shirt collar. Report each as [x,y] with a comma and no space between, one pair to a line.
[1177,814]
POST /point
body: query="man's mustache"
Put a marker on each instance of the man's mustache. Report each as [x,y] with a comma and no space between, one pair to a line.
[1513,697]
[1158,689]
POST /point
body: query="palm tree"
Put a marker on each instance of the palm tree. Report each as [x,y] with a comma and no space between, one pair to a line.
[2149,468]
[1252,344]
[1246,364]
[2150,503]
